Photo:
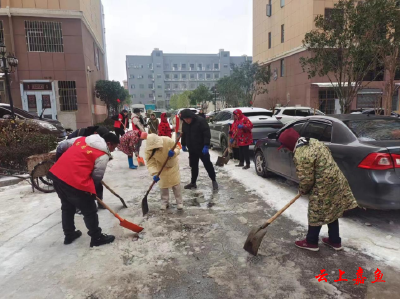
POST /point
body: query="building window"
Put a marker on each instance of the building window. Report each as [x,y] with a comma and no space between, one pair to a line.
[200,76]
[282,33]
[269,40]
[168,95]
[192,76]
[132,86]
[192,67]
[142,96]
[44,36]
[140,76]
[184,86]
[150,65]
[327,101]
[208,67]
[159,86]
[158,54]
[199,67]
[183,66]
[176,76]
[150,95]
[167,86]
[183,76]
[68,97]
[282,3]
[192,86]
[150,85]
[158,65]
[216,76]
[175,67]
[141,86]
[167,76]
[269,8]
[225,66]
[225,54]
[131,76]
[282,67]
[216,66]
[96,56]
[159,76]
[208,76]
[176,86]
[150,76]
[160,96]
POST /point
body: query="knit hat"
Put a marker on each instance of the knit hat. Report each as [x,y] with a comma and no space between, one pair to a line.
[102,131]
[288,139]
[143,135]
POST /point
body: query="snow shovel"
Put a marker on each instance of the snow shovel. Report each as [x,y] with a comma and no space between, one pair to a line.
[221,161]
[124,223]
[257,234]
[145,206]
[112,191]
[140,161]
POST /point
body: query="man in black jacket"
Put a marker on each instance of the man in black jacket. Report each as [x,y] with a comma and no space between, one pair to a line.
[196,137]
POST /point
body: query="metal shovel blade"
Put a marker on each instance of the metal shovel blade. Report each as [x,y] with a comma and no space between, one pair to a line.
[131,226]
[254,239]
[220,161]
[226,159]
[145,206]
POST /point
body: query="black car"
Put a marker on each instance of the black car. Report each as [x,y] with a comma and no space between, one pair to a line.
[263,124]
[366,148]
[44,122]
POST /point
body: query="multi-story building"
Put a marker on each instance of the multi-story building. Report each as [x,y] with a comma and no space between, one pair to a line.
[155,78]
[60,46]
[125,83]
[279,27]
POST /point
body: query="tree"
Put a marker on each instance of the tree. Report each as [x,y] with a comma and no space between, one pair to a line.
[201,96]
[229,91]
[384,31]
[341,49]
[183,99]
[252,79]
[109,92]
[173,102]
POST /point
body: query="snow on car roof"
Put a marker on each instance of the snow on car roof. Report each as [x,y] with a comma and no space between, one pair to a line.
[248,109]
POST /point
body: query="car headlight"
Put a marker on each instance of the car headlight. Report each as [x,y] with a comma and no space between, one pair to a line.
[49,126]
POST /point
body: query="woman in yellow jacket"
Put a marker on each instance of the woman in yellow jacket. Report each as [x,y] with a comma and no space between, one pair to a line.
[158,149]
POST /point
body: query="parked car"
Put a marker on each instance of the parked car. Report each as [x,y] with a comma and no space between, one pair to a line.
[50,125]
[289,114]
[263,121]
[210,115]
[194,110]
[373,112]
[366,148]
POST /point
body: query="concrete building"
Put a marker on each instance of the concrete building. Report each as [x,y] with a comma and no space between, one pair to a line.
[125,83]
[155,78]
[61,49]
[279,27]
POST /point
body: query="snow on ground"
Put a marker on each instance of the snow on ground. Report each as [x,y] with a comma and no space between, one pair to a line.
[372,241]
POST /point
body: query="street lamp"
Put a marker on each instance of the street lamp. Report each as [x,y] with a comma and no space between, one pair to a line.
[9,64]
[214,89]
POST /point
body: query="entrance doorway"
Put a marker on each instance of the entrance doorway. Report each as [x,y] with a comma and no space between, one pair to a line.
[39,98]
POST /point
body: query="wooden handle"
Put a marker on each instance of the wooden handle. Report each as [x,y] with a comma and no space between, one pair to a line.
[106,206]
[272,219]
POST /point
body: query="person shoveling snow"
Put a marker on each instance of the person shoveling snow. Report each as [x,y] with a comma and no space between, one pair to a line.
[158,150]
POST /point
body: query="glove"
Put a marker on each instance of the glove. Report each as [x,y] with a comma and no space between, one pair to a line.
[184,148]
[171,153]
[156,178]
[240,126]
[205,150]
[232,140]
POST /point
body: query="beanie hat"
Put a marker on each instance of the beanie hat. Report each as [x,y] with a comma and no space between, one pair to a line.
[102,131]
[288,139]
[110,137]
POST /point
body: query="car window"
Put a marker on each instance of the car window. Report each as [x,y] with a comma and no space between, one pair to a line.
[319,131]
[4,112]
[265,113]
[290,112]
[317,112]
[226,116]
[277,111]
[218,116]
[24,113]
[298,126]
[302,112]
[375,129]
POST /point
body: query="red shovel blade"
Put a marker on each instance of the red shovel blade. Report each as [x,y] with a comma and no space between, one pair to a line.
[129,225]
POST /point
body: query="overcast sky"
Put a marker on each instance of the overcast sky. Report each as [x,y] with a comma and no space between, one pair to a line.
[136,27]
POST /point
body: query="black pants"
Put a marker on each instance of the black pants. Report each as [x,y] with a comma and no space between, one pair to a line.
[333,231]
[244,154]
[194,158]
[236,153]
[119,132]
[71,199]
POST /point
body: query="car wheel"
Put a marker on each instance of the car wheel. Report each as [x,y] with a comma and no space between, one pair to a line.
[224,144]
[261,166]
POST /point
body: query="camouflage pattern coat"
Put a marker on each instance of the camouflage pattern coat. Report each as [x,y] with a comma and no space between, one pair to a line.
[320,177]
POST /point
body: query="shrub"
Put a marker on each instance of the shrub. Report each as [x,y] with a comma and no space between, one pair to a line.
[20,139]
[108,123]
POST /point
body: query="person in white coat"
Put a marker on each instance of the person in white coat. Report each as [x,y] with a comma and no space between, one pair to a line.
[158,149]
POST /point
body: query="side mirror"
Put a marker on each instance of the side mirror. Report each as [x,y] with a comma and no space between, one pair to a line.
[273,136]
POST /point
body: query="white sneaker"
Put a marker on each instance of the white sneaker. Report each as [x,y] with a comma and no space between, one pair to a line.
[179,206]
[164,206]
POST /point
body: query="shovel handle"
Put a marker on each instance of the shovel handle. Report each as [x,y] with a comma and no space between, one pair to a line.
[272,219]
[106,206]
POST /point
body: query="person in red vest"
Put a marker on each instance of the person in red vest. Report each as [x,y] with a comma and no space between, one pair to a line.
[74,177]
[164,128]
[121,123]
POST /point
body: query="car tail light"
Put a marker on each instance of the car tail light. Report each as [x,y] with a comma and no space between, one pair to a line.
[380,161]
[278,117]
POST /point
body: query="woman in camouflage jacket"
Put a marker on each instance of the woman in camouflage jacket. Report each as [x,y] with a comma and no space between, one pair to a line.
[329,192]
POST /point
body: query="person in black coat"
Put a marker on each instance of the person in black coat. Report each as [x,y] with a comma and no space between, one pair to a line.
[196,137]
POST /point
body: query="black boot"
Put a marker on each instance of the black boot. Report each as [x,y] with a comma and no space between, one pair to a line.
[102,240]
[239,165]
[246,167]
[190,186]
[71,238]
[215,185]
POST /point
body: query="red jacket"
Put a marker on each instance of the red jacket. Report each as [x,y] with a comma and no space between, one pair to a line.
[121,122]
[164,128]
[244,136]
[76,165]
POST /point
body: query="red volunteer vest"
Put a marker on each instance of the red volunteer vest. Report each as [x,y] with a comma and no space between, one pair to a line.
[134,128]
[76,165]
[177,124]
[117,123]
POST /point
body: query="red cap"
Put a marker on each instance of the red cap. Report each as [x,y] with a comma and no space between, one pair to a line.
[288,139]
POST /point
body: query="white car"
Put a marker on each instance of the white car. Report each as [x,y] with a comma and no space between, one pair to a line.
[289,114]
